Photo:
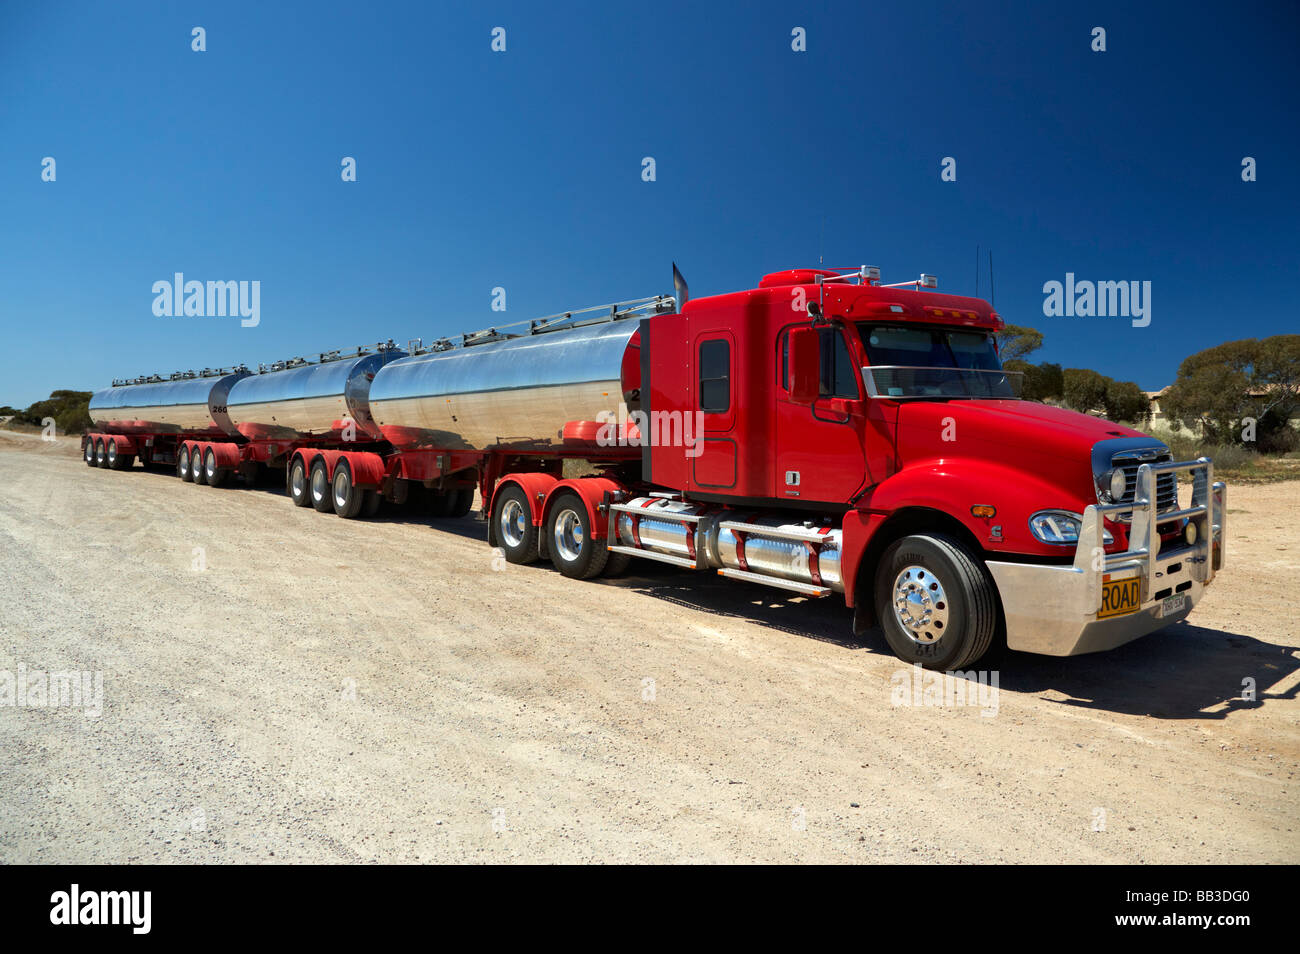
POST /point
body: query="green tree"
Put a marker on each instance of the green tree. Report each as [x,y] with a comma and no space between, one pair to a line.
[1016,341]
[1042,382]
[1084,390]
[69,409]
[1127,402]
[1251,378]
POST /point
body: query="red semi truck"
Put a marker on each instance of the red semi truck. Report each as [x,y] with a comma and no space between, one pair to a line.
[821,434]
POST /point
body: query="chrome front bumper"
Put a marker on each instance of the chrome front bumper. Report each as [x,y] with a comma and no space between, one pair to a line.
[1054,609]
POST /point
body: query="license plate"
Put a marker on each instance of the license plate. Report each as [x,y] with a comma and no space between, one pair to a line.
[1173,604]
[1120,597]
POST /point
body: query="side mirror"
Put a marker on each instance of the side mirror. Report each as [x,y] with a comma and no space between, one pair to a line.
[805,365]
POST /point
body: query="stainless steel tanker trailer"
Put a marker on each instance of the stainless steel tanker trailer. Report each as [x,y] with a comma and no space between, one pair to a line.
[150,417]
[427,426]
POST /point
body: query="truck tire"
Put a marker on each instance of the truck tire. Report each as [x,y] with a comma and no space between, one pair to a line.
[462,501]
[183,465]
[574,549]
[296,482]
[437,503]
[348,498]
[514,526]
[373,501]
[935,601]
[213,475]
[89,452]
[118,460]
[319,487]
[101,456]
[617,563]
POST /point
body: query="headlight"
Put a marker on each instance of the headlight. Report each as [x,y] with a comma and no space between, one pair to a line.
[1118,485]
[1061,527]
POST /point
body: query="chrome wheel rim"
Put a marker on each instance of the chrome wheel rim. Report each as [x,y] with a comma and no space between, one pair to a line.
[342,488]
[299,481]
[90,451]
[319,488]
[185,463]
[920,604]
[568,535]
[210,465]
[99,452]
[112,452]
[514,523]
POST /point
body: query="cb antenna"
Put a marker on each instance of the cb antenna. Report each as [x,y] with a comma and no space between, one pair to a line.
[993,296]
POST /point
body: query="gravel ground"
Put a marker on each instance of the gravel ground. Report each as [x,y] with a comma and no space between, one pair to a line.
[285,686]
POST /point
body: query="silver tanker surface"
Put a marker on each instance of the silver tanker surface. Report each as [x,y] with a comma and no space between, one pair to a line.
[518,392]
[195,405]
[309,400]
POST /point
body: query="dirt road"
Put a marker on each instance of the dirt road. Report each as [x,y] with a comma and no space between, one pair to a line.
[280,685]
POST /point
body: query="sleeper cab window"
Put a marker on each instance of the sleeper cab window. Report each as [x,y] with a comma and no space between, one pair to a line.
[715,376]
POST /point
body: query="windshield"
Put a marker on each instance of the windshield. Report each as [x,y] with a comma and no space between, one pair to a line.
[925,361]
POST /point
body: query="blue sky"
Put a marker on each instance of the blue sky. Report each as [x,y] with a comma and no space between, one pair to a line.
[522,169]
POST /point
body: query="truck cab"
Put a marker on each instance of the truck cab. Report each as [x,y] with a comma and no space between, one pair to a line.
[877,422]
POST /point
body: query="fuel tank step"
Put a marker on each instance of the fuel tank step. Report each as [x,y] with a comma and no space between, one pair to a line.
[807,589]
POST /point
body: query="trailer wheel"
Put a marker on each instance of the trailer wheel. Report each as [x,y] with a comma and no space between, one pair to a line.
[320,486]
[213,475]
[89,452]
[297,481]
[118,461]
[514,526]
[348,499]
[574,550]
[437,503]
[372,503]
[935,601]
[462,501]
[101,456]
[183,464]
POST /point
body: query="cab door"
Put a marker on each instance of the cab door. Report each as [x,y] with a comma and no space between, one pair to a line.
[820,456]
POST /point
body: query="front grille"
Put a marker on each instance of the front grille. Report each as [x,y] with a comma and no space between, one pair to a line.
[1166,484]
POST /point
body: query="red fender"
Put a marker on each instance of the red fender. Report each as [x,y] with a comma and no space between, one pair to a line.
[368,469]
[592,491]
[535,487]
[125,445]
[228,457]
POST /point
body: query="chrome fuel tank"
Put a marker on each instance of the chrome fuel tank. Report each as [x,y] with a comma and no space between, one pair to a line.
[519,392]
[194,405]
[310,400]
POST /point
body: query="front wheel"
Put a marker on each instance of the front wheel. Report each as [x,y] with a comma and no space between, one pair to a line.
[935,601]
